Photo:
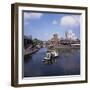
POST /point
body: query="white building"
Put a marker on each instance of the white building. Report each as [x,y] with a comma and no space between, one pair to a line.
[70,35]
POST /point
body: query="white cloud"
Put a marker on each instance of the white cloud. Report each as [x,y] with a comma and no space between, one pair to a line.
[54,22]
[70,21]
[26,23]
[32,15]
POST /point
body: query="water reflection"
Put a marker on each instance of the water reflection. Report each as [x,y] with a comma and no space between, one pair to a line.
[51,61]
[67,63]
[66,53]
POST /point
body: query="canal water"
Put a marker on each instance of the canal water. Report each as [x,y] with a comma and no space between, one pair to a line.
[68,63]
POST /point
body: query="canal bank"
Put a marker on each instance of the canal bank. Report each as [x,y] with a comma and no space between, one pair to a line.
[30,51]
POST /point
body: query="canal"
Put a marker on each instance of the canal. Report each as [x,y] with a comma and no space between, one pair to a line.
[68,63]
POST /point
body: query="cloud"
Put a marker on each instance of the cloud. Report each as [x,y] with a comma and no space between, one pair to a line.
[26,23]
[70,21]
[54,22]
[32,15]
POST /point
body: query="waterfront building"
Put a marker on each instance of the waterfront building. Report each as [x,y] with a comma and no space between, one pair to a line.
[27,41]
[54,41]
[70,35]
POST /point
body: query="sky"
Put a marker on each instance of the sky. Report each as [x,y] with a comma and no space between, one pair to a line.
[42,25]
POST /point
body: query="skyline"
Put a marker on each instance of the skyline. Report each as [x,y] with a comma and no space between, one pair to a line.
[46,24]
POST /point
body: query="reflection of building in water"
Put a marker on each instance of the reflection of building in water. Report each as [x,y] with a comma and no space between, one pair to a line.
[54,41]
[70,35]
